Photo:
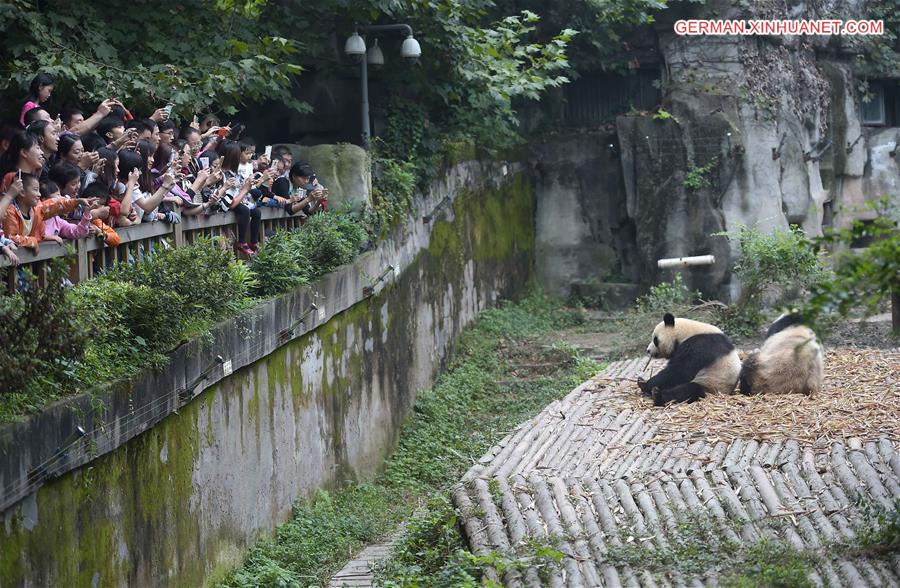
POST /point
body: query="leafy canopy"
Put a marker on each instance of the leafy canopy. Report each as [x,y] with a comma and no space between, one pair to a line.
[197,53]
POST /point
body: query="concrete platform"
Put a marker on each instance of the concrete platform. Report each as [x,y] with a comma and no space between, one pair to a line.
[590,475]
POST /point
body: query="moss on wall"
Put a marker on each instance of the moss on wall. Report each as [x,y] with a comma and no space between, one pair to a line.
[133,516]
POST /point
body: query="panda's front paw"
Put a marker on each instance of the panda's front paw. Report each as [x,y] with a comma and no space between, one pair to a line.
[657,397]
[644,385]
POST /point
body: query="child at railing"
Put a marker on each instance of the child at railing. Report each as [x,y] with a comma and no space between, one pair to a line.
[24,219]
[56,228]
[7,247]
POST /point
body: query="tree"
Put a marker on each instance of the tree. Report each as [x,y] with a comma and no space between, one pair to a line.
[862,277]
[197,53]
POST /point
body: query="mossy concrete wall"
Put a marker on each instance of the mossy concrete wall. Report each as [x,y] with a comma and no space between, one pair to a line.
[180,503]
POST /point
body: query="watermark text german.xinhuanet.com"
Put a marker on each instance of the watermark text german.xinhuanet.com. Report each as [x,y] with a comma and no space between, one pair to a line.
[779,27]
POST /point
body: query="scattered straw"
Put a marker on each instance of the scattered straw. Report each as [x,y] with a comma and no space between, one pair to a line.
[861,398]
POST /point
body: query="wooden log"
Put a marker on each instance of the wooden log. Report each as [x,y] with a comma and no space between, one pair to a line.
[872,480]
[547,508]
[576,532]
[474,528]
[594,533]
[496,530]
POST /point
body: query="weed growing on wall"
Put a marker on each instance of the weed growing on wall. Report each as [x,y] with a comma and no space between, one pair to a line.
[697,178]
[490,386]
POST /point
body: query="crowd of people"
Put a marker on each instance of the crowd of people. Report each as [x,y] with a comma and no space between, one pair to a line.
[72,176]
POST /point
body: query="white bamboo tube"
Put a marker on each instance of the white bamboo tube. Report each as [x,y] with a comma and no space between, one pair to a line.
[686,261]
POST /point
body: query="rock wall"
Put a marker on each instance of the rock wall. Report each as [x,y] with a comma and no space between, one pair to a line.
[584,234]
[179,504]
[752,131]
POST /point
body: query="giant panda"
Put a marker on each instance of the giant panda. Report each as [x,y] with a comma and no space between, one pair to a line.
[790,360]
[701,361]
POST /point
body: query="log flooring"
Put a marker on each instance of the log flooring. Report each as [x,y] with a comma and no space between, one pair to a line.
[587,475]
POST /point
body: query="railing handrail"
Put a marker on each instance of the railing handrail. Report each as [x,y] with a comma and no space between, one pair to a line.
[143,231]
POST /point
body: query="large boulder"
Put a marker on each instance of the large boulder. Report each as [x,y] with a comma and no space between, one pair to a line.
[343,168]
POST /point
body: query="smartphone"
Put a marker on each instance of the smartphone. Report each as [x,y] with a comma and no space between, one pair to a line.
[223,132]
[204,162]
[269,151]
[169,107]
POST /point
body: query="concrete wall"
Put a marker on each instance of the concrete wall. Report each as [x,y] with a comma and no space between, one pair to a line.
[583,233]
[181,502]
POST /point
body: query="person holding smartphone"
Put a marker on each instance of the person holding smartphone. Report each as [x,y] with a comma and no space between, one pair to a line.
[300,192]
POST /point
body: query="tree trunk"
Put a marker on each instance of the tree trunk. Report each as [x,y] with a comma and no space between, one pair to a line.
[895,309]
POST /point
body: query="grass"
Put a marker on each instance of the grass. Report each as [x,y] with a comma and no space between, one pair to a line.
[507,367]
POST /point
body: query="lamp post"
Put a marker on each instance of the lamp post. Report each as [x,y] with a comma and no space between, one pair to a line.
[355,49]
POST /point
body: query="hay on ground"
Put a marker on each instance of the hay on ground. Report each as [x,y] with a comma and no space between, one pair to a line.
[861,398]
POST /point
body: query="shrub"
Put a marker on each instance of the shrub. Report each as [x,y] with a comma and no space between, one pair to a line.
[202,273]
[278,267]
[666,296]
[290,259]
[777,268]
[862,277]
[126,315]
[40,334]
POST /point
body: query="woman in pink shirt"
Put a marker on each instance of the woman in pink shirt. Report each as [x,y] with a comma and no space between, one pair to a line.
[38,92]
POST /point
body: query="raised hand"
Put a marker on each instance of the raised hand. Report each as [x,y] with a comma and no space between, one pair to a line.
[15,188]
[88,159]
[89,203]
[99,166]
[106,106]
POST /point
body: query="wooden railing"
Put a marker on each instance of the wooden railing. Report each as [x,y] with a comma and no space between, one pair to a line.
[93,256]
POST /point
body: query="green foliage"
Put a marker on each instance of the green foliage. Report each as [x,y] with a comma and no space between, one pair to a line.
[602,25]
[216,291]
[664,115]
[196,53]
[407,123]
[392,192]
[470,407]
[879,56]
[697,178]
[39,335]
[879,529]
[664,297]
[861,278]
[773,565]
[304,548]
[699,547]
[129,316]
[293,258]
[500,60]
[782,264]
[433,549]
[115,325]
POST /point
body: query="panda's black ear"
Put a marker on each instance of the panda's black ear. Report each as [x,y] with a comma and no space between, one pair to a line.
[669,319]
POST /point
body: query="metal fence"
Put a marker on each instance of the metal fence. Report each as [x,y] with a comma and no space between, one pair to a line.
[93,256]
[599,98]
